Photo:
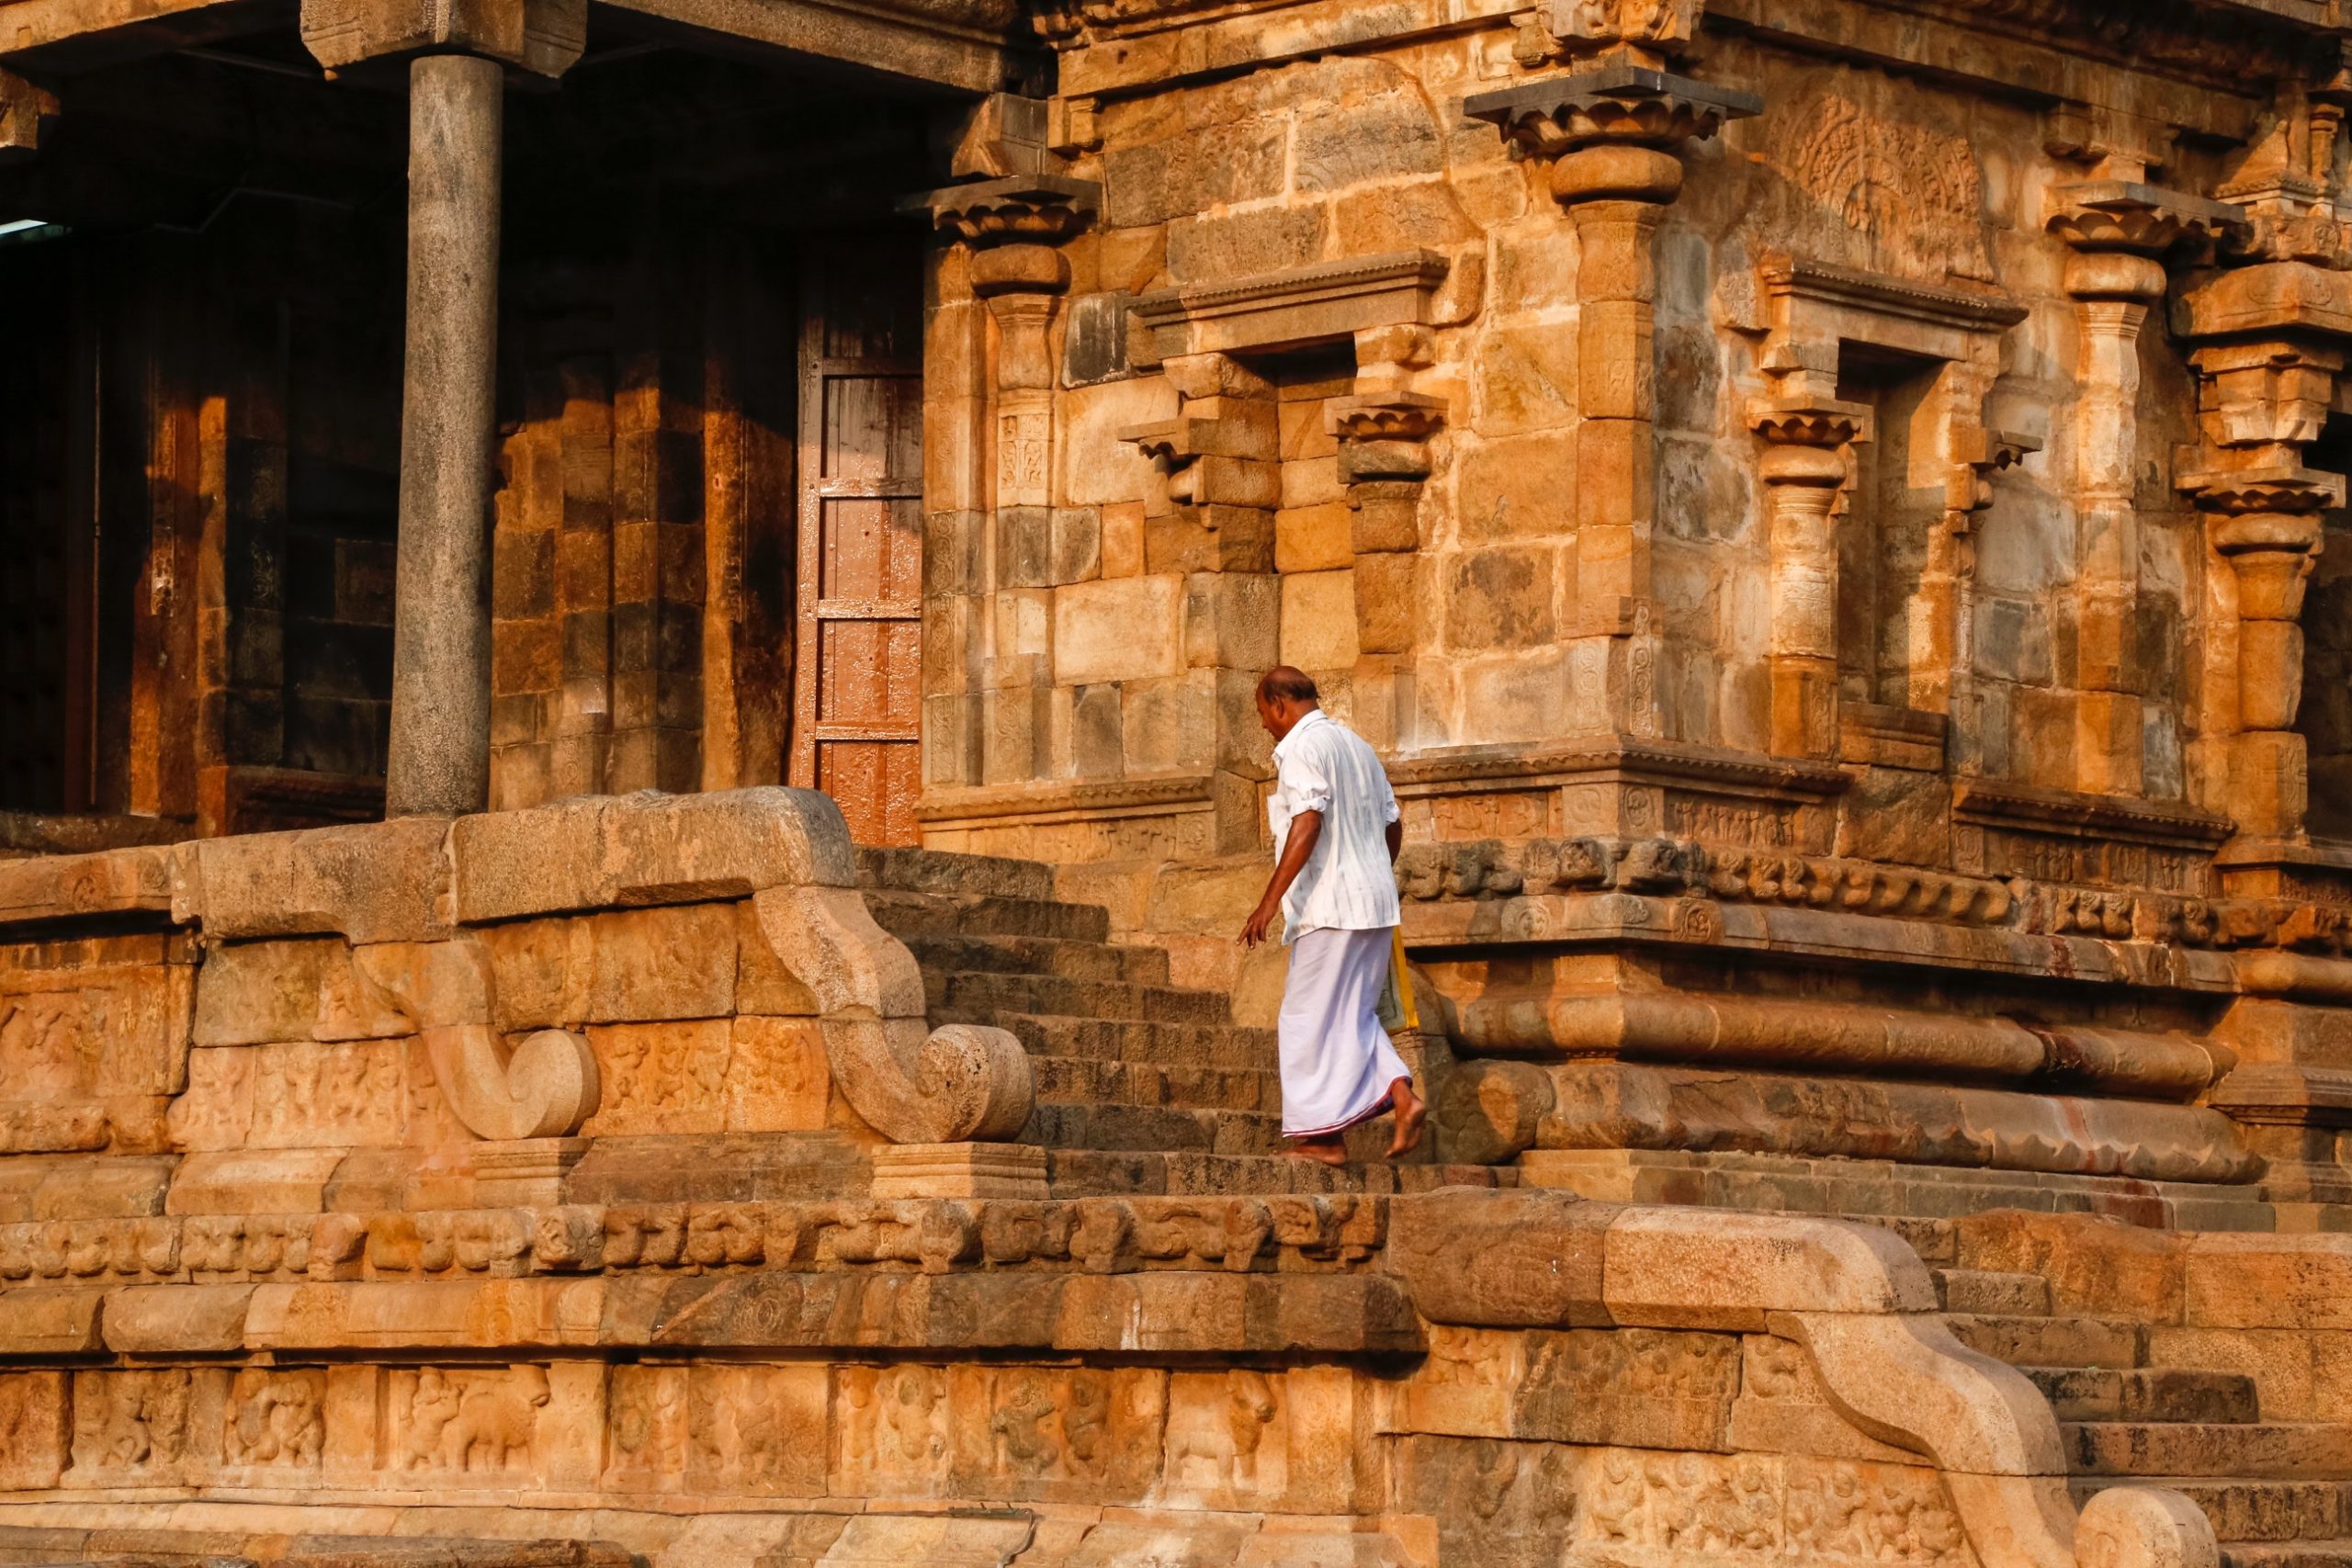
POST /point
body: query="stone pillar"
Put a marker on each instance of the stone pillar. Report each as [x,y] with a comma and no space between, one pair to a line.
[1804,467]
[439,762]
[1609,129]
[2266,529]
[1014,558]
[2263,399]
[2120,229]
[456,58]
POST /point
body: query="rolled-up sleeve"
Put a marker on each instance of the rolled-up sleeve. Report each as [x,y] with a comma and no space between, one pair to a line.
[1307,782]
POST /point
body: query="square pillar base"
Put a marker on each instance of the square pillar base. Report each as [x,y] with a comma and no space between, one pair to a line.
[960,1170]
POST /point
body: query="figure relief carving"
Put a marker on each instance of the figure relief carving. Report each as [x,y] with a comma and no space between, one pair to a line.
[648,1421]
[759,1429]
[308,1094]
[274,1417]
[896,1420]
[1754,1504]
[46,1047]
[133,1423]
[1912,196]
[465,1421]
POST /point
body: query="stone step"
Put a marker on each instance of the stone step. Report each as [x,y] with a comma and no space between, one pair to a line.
[2257,1511]
[2153,1393]
[1083,1080]
[1107,1173]
[981,998]
[2335,1554]
[2051,1342]
[1228,1045]
[2295,1450]
[973,953]
[937,870]
[1985,1292]
[908,915]
[1064,1124]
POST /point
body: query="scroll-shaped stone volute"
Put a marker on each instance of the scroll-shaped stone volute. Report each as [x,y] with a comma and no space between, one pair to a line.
[545,1087]
[955,1084]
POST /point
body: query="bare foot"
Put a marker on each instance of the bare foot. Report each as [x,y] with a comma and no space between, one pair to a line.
[1411,1115]
[1323,1151]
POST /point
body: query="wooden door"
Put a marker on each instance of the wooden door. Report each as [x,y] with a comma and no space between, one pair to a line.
[857,698]
[46,539]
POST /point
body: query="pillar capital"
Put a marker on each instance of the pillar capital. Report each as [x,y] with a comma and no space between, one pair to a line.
[2137,219]
[1025,209]
[544,37]
[26,111]
[1631,105]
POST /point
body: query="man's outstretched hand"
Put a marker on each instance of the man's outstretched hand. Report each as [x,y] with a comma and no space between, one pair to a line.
[1260,921]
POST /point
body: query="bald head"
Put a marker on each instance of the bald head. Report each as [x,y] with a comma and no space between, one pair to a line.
[1285,695]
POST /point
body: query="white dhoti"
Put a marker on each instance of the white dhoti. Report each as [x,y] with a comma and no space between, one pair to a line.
[1337,1061]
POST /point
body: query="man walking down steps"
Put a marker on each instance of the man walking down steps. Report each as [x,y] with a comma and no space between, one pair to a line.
[1337,831]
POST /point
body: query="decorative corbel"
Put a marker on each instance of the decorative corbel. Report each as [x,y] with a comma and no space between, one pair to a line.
[543,37]
[26,111]
[1220,463]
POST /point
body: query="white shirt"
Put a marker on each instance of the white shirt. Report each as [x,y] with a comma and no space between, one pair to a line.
[1322,765]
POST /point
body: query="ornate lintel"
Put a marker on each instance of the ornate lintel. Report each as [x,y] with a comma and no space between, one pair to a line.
[25,113]
[1615,103]
[1038,210]
[2127,215]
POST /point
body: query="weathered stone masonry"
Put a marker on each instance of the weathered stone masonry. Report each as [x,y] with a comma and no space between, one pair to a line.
[626,772]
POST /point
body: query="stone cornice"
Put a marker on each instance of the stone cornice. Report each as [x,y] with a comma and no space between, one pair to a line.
[1995,804]
[1965,310]
[1618,758]
[1063,800]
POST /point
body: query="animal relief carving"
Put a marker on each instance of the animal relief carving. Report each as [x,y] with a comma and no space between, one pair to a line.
[759,1429]
[1220,1434]
[893,1423]
[466,1421]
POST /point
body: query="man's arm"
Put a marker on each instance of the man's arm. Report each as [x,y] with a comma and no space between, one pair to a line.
[1305,829]
[1395,841]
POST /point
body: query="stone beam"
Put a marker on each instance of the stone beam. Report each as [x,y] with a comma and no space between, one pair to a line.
[968,45]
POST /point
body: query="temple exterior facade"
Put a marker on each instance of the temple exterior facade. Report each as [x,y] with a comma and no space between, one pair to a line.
[628,775]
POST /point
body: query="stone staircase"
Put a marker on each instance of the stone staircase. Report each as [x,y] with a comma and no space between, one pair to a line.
[1143,1087]
[2280,1493]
